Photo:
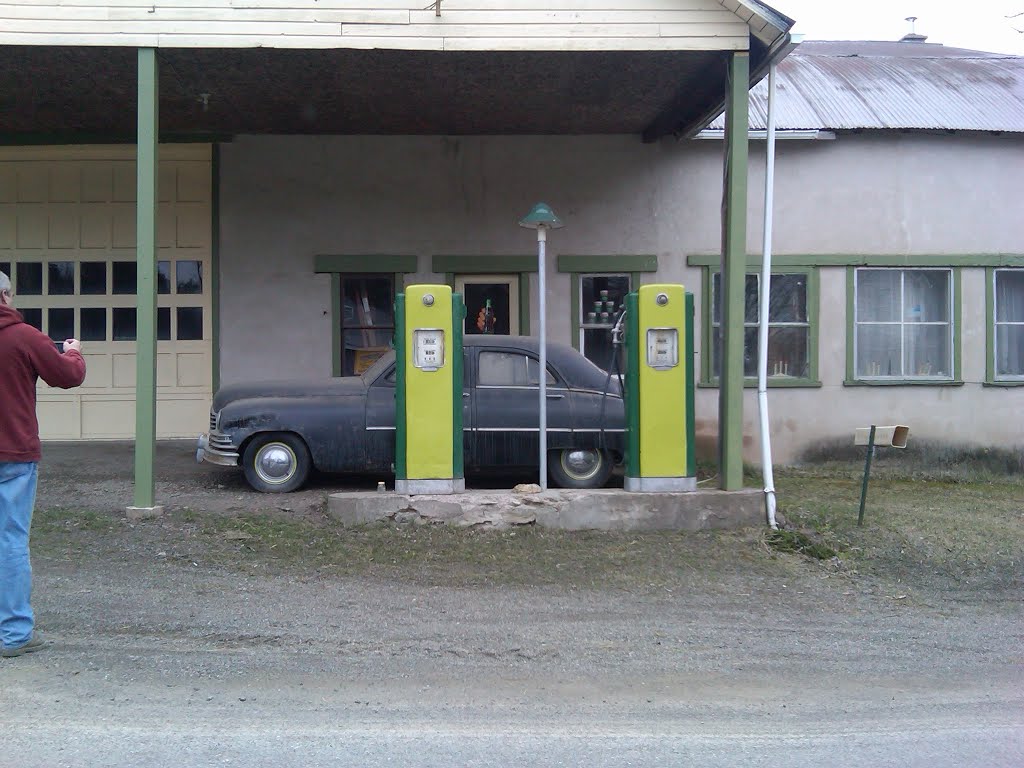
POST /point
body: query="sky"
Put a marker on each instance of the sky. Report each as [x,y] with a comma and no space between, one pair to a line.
[981,25]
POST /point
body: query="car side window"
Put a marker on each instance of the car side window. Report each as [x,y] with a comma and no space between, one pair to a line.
[389,379]
[509,369]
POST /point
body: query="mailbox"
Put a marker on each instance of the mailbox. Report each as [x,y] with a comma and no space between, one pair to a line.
[885,437]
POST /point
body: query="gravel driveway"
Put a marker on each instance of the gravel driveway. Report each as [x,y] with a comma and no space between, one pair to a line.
[190,661]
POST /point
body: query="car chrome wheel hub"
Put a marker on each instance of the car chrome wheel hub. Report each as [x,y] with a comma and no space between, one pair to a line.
[275,463]
[581,464]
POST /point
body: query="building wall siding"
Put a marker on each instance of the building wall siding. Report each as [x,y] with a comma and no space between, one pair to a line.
[560,25]
[284,200]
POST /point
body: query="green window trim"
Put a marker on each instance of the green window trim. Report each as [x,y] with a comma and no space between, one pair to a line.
[451,266]
[362,263]
[339,265]
[851,379]
[607,263]
[874,260]
[990,334]
[482,265]
[707,377]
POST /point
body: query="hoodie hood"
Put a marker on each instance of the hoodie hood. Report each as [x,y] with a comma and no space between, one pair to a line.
[9,316]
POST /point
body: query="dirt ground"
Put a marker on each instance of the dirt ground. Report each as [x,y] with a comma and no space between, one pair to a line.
[100,478]
[247,629]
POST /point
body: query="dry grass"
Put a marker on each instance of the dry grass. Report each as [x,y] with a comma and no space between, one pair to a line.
[957,537]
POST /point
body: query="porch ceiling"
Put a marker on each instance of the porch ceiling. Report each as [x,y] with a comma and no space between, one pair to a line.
[63,93]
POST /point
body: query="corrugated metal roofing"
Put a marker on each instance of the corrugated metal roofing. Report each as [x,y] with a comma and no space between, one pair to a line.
[892,86]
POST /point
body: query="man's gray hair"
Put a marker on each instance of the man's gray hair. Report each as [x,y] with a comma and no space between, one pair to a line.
[5,283]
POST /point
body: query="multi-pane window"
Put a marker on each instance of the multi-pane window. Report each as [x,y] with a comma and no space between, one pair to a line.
[1009,324]
[367,320]
[789,327]
[903,324]
[95,300]
[601,299]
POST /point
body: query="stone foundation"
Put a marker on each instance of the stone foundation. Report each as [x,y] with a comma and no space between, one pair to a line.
[605,509]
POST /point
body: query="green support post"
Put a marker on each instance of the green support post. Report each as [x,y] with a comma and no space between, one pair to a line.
[734,262]
[145,255]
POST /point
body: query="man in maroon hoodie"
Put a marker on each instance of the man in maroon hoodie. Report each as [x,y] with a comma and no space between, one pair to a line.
[25,356]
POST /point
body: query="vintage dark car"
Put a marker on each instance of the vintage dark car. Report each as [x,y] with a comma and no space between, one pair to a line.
[279,431]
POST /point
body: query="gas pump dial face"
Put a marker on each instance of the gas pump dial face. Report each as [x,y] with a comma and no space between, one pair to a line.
[662,348]
[428,348]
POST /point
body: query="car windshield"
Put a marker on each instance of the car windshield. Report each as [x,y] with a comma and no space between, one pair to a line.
[379,366]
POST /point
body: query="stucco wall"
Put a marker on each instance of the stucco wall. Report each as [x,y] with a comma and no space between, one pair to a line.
[285,199]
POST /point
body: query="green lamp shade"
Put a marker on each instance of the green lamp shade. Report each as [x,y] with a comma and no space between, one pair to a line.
[541,216]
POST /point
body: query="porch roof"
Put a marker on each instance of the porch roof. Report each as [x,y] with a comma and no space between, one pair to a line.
[57,93]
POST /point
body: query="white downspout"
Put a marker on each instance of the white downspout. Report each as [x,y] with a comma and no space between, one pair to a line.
[762,331]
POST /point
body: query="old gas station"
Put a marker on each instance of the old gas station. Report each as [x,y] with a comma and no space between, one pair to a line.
[656,75]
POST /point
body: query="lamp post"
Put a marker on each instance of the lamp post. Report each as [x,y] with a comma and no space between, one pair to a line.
[542,218]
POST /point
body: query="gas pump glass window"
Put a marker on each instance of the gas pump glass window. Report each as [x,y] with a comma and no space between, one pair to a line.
[510,369]
[601,299]
[367,321]
[789,329]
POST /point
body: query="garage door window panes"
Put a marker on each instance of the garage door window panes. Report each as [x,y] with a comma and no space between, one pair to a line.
[903,323]
[187,281]
[367,321]
[67,299]
[1009,324]
[789,327]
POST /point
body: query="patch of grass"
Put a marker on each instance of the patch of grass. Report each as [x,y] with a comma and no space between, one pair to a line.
[951,535]
[920,460]
[799,542]
[958,537]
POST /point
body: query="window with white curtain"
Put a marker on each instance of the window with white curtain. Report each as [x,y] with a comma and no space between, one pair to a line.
[1009,324]
[903,324]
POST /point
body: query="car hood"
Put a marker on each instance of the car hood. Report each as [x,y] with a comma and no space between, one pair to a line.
[347,386]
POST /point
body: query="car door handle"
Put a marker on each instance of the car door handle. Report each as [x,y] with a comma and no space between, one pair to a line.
[555,396]
[465,395]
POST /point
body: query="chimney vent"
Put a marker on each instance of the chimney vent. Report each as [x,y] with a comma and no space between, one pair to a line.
[912,36]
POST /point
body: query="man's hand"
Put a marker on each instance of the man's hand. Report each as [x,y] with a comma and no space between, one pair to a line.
[74,344]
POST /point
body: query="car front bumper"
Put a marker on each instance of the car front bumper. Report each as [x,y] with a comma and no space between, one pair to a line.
[217,449]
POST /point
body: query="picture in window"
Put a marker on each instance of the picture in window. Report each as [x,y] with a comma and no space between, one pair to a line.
[488,308]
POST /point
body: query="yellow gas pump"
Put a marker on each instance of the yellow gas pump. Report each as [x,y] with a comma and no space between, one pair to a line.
[428,390]
[659,390]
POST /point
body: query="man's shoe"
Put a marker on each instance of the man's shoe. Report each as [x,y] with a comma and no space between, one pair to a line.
[33,645]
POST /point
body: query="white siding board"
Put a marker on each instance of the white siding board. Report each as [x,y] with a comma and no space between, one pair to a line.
[169,28]
[147,14]
[507,30]
[400,24]
[589,16]
[597,44]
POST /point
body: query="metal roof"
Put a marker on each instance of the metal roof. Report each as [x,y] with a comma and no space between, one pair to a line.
[839,86]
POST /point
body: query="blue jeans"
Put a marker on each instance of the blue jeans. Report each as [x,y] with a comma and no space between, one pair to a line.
[17,498]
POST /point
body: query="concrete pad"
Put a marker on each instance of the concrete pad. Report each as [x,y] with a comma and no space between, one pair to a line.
[604,509]
[143,513]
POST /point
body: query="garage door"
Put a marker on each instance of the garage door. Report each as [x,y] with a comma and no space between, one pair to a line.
[67,240]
